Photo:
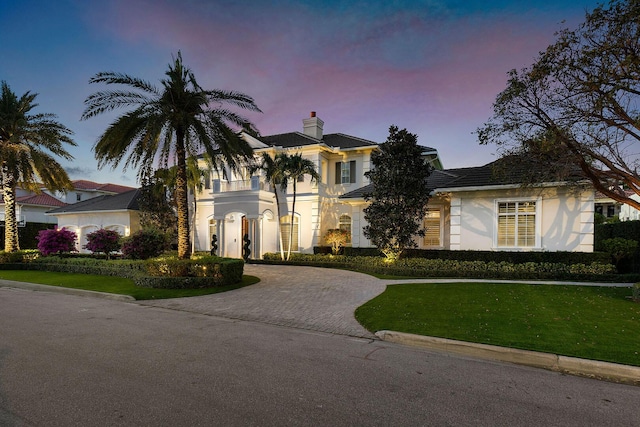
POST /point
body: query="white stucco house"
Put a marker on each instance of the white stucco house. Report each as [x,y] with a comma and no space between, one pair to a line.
[117,212]
[31,207]
[470,208]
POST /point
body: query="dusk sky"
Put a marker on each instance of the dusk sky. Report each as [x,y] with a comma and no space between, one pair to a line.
[433,67]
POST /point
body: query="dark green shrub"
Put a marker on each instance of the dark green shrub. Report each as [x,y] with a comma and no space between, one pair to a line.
[217,271]
[620,248]
[144,244]
[18,256]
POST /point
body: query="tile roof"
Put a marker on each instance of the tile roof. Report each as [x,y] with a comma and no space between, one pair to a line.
[117,202]
[83,184]
[499,172]
[43,199]
[298,139]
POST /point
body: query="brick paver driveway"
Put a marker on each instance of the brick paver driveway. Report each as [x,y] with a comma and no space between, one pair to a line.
[319,299]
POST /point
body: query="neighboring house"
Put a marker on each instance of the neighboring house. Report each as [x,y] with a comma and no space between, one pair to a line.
[83,190]
[31,207]
[610,208]
[629,213]
[470,209]
[118,212]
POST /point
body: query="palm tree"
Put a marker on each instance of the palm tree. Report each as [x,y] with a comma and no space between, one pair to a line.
[29,144]
[176,122]
[295,167]
[274,170]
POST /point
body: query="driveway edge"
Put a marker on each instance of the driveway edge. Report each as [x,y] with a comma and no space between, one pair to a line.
[568,365]
[63,290]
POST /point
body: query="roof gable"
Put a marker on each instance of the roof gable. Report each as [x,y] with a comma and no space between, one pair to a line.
[83,184]
[42,199]
[298,139]
[117,202]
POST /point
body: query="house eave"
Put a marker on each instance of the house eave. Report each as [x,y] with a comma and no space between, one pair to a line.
[503,187]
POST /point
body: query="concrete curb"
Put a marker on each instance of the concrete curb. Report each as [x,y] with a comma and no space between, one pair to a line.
[569,365]
[62,290]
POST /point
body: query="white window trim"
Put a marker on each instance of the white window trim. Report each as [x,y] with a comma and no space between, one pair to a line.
[538,235]
[441,245]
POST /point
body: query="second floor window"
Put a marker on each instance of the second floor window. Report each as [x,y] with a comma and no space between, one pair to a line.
[346,172]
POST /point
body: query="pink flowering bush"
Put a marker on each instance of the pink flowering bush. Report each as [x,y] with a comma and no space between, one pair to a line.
[56,241]
[103,241]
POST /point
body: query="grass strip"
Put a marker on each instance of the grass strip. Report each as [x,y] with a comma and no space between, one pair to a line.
[113,285]
[598,323]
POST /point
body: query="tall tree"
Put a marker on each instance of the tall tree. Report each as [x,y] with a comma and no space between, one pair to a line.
[296,167]
[274,170]
[576,111]
[29,146]
[175,122]
[399,194]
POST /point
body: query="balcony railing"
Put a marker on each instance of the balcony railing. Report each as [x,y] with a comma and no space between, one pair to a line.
[253,184]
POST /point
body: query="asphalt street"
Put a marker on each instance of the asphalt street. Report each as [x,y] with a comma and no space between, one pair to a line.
[69,360]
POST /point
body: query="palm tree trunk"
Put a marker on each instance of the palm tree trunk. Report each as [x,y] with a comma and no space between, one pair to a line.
[11,243]
[182,202]
[275,191]
[293,213]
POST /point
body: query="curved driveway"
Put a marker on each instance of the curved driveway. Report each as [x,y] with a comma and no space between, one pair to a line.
[319,299]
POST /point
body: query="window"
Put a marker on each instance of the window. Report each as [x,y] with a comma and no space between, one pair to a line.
[285,228]
[517,224]
[78,197]
[207,182]
[345,224]
[432,228]
[346,172]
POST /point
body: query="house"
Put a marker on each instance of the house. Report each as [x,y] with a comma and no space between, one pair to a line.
[471,209]
[83,190]
[478,209]
[32,207]
[118,212]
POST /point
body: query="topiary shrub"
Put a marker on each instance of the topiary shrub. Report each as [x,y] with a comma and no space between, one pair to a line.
[56,241]
[619,248]
[144,244]
[337,238]
[103,241]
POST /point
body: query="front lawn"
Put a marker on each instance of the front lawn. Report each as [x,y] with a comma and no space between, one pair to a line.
[113,285]
[598,323]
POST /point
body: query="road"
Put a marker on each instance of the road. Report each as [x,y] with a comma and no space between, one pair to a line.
[76,361]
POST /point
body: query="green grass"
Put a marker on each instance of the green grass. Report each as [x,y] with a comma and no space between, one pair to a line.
[113,285]
[598,323]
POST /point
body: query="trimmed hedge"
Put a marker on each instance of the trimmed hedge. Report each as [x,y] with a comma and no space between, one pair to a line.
[218,271]
[162,272]
[439,268]
[626,230]
[486,256]
[27,234]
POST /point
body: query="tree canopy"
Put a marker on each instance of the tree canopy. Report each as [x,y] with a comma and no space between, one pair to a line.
[399,193]
[576,110]
[29,147]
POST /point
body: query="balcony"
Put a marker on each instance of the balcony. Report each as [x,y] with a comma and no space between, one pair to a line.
[253,184]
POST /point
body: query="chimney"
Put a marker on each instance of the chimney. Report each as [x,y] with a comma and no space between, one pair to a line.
[313,126]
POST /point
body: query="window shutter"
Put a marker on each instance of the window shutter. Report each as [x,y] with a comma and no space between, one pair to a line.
[338,172]
[352,171]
